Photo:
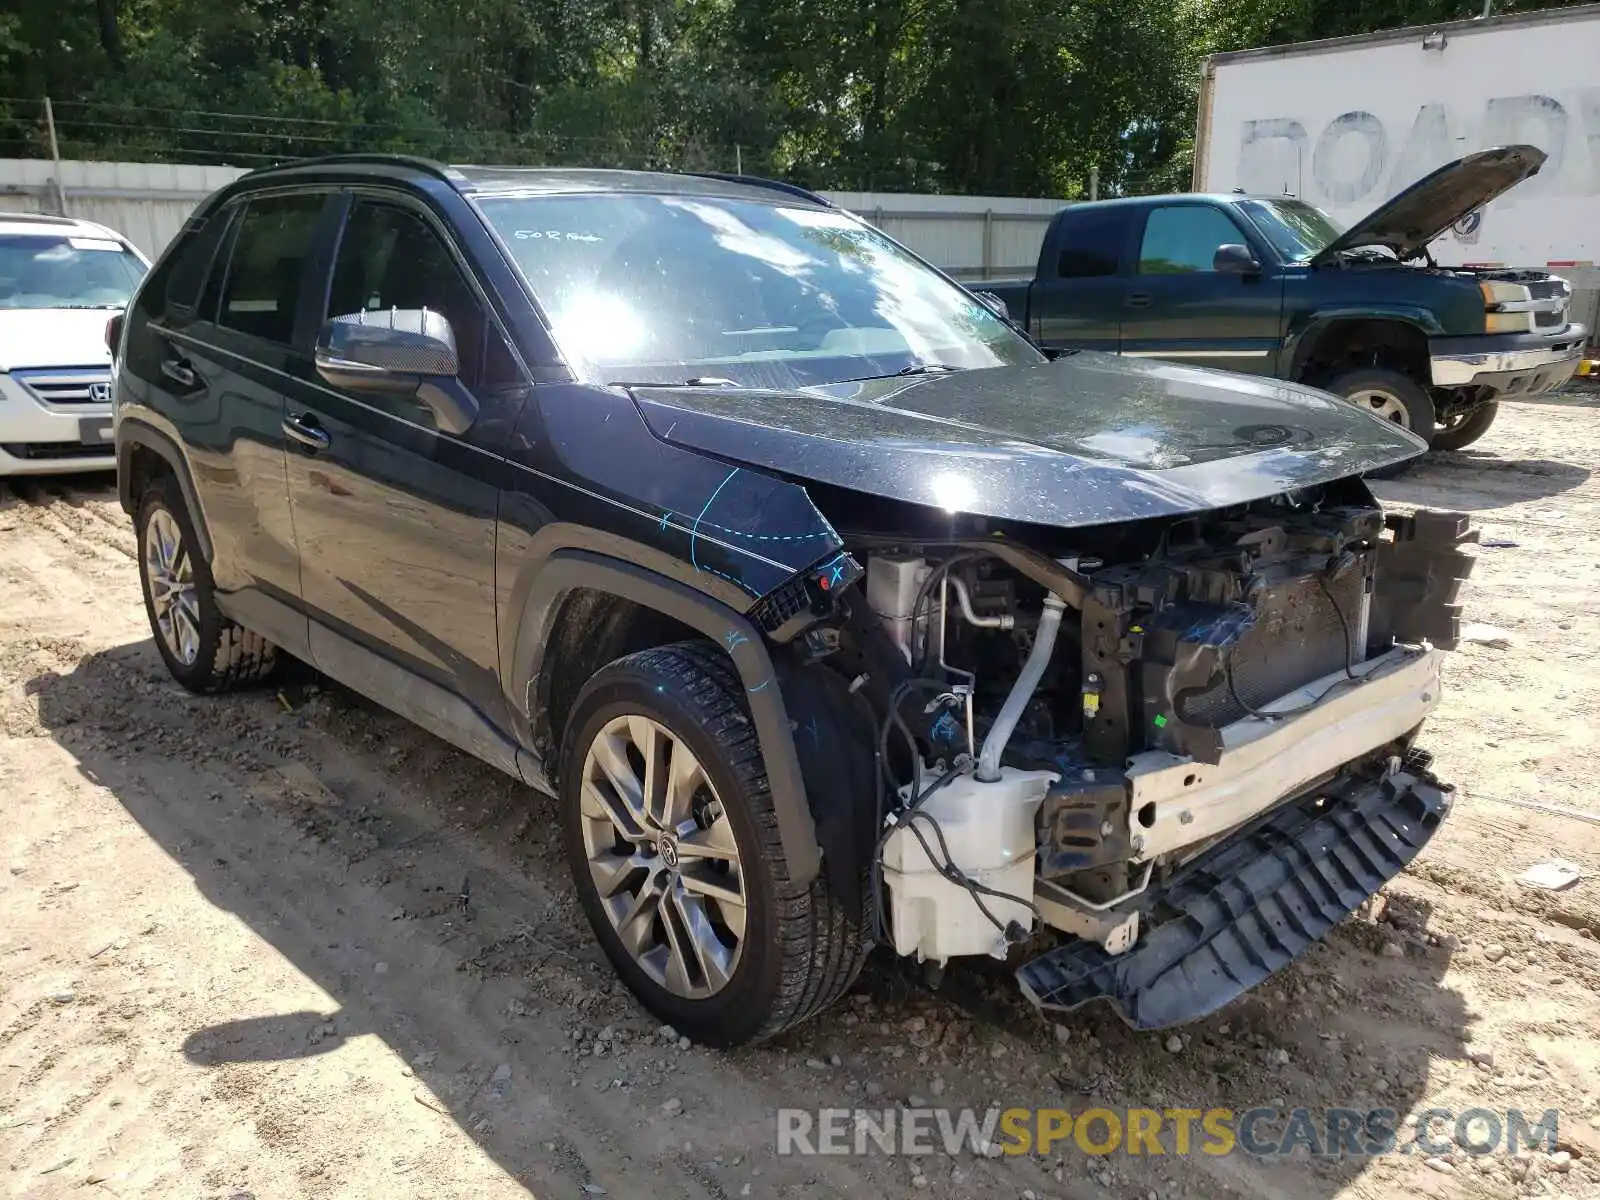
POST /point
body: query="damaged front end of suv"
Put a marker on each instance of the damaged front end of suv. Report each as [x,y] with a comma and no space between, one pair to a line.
[1141,693]
[1111,668]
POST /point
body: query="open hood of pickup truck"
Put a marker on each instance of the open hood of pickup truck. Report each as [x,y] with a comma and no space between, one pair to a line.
[1408,222]
[1087,440]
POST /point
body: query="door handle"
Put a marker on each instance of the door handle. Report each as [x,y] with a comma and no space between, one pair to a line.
[1139,300]
[179,372]
[303,429]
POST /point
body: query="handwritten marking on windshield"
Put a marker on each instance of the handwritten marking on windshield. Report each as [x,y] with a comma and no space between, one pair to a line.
[553,235]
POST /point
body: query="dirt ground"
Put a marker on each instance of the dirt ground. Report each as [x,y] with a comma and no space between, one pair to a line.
[278,946]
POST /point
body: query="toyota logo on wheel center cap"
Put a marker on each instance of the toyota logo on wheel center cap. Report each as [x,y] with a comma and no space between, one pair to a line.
[669,852]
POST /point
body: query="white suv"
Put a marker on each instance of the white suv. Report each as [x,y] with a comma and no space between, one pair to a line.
[61,281]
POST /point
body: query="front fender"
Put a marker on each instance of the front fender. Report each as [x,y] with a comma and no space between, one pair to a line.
[567,570]
[1305,328]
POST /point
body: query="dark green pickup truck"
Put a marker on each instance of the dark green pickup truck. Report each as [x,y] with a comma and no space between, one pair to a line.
[1272,286]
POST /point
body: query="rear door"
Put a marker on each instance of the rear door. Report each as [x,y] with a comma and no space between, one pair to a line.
[1076,301]
[223,374]
[395,519]
[1178,306]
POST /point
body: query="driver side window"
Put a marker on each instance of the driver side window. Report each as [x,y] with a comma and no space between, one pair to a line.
[1183,239]
[389,257]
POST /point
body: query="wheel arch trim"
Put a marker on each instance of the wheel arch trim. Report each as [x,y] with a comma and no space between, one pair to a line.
[1308,331]
[567,570]
[135,434]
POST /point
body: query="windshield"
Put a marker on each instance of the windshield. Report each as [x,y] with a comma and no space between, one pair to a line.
[669,289]
[66,272]
[1297,230]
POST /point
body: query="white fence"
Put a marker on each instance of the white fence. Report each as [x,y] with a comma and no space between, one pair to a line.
[972,237]
[146,202]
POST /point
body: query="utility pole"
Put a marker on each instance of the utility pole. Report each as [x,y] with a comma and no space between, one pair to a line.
[55,158]
[738,159]
[1094,183]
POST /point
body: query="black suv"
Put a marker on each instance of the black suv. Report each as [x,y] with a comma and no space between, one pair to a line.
[830,610]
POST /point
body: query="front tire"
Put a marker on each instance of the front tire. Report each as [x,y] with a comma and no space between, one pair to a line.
[1469,429]
[204,651]
[673,844]
[1387,394]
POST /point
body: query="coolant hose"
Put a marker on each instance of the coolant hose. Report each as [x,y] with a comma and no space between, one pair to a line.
[1044,644]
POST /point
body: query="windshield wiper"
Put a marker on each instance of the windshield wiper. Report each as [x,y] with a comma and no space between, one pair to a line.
[921,368]
[92,306]
[698,381]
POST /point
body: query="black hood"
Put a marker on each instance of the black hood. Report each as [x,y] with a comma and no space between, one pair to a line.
[1087,440]
[1427,208]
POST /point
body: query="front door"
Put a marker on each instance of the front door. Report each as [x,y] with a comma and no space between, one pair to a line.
[395,519]
[1179,307]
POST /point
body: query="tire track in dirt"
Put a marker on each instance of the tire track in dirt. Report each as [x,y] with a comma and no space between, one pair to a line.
[81,518]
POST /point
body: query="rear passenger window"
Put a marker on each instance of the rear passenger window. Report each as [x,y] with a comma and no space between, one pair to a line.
[1091,244]
[211,298]
[191,263]
[271,252]
[1183,239]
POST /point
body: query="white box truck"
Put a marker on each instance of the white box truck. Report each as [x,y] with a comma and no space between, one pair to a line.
[1349,122]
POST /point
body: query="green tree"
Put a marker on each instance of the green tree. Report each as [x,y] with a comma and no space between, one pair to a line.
[1015,96]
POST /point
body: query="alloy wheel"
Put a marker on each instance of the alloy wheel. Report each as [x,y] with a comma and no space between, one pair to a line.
[663,857]
[1382,403]
[172,592]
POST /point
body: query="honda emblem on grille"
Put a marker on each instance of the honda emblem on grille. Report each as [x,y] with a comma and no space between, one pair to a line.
[100,393]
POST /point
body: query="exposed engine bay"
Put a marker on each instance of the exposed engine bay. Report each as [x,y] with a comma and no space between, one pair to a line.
[1078,728]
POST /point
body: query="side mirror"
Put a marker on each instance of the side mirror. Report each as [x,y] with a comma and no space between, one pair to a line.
[1235,260]
[399,352]
[994,304]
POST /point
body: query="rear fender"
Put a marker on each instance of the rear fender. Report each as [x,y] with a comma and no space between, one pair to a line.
[137,433]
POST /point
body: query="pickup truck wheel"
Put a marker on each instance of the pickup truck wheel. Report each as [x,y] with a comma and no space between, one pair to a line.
[1387,394]
[673,845]
[1453,435]
[203,650]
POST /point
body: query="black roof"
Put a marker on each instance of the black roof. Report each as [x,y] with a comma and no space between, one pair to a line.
[501,181]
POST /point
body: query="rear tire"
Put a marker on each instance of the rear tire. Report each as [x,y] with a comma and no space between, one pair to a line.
[701,919]
[204,651]
[1467,430]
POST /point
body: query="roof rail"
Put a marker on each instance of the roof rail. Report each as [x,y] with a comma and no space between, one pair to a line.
[437,169]
[776,185]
